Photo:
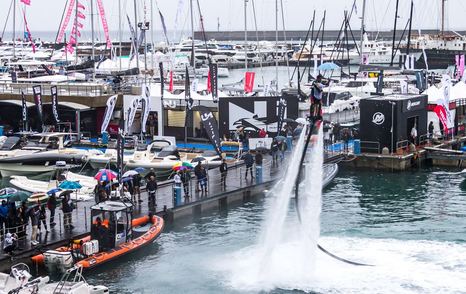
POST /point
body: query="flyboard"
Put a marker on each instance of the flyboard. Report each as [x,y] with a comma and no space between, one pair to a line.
[315,125]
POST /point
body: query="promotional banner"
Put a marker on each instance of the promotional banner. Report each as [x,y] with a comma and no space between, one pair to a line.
[213,80]
[442,116]
[131,114]
[164,27]
[421,82]
[162,79]
[108,112]
[104,23]
[24,108]
[194,85]
[145,107]
[459,66]
[54,93]
[66,21]
[170,82]
[210,126]
[187,91]
[134,38]
[249,81]
[27,2]
[380,82]
[37,90]
[75,33]
[445,100]
[281,114]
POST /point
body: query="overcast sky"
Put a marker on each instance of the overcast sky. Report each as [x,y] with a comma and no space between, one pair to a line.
[44,15]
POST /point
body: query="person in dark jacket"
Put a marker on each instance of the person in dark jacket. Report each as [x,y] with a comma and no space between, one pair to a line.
[152,190]
[203,179]
[223,173]
[52,203]
[34,214]
[42,219]
[67,207]
[3,216]
[249,161]
[198,174]
[137,187]
[185,179]
[431,130]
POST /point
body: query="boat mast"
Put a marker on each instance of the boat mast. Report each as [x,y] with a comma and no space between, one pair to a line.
[119,30]
[136,33]
[152,33]
[76,30]
[363,30]
[443,17]
[276,45]
[193,56]
[92,37]
[410,27]
[394,33]
[14,28]
[245,35]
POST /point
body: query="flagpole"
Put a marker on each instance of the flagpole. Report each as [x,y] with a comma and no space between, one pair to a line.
[136,33]
[76,30]
[152,33]
[119,29]
[14,28]
[92,37]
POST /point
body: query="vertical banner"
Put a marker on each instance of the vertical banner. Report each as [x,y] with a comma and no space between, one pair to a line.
[37,90]
[421,82]
[170,82]
[54,92]
[188,100]
[442,116]
[403,87]
[210,126]
[108,112]
[27,2]
[445,100]
[187,88]
[104,23]
[120,150]
[24,110]
[194,85]
[33,45]
[133,107]
[213,80]
[380,82]
[145,106]
[162,79]
[249,81]
[281,114]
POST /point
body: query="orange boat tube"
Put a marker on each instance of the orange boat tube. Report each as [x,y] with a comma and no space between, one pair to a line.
[156,228]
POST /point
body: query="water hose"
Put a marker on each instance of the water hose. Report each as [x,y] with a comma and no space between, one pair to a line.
[313,124]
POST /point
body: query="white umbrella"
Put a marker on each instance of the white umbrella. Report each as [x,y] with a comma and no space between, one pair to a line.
[301,121]
[130,173]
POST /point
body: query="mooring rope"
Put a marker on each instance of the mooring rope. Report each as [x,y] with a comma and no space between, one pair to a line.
[298,180]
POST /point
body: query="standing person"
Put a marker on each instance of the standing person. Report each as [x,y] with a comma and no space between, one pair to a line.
[258,160]
[152,190]
[345,135]
[414,135]
[316,97]
[34,214]
[203,179]
[223,173]
[177,188]
[441,129]
[198,174]
[282,147]
[23,215]
[274,151]
[42,219]
[67,208]
[151,122]
[249,161]
[289,137]
[137,187]
[3,217]
[52,205]
[185,179]
[431,130]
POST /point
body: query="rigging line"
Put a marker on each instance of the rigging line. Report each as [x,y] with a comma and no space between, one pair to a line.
[257,40]
[201,19]
[383,18]
[302,48]
[313,124]
[7,17]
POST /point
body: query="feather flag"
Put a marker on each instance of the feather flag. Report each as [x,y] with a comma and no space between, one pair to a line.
[29,33]
[26,2]
[164,27]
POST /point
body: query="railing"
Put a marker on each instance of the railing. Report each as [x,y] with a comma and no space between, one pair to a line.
[402,145]
[424,139]
[370,145]
[64,89]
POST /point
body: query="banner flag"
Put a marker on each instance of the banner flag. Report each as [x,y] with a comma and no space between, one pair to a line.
[108,112]
[54,93]
[37,90]
[213,81]
[249,81]
[145,107]
[210,126]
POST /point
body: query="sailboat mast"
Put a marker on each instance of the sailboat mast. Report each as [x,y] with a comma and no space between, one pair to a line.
[276,44]
[245,35]
[119,30]
[363,30]
[443,17]
[152,33]
[410,28]
[76,30]
[14,28]
[193,55]
[92,37]
[394,33]
[136,33]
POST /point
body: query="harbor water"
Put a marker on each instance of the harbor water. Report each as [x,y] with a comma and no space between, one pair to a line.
[410,226]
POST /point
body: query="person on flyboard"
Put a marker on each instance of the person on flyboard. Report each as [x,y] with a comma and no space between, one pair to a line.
[316,97]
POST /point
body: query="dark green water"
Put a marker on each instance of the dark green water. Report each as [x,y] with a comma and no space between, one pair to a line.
[411,226]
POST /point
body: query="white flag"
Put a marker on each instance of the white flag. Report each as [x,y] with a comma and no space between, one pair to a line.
[131,114]
[108,112]
[145,104]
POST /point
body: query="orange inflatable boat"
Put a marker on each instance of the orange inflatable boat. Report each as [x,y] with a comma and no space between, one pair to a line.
[114,234]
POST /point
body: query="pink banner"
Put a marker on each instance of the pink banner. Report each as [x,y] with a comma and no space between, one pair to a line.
[461,65]
[27,2]
[249,81]
[66,21]
[75,33]
[29,33]
[104,23]
[442,115]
